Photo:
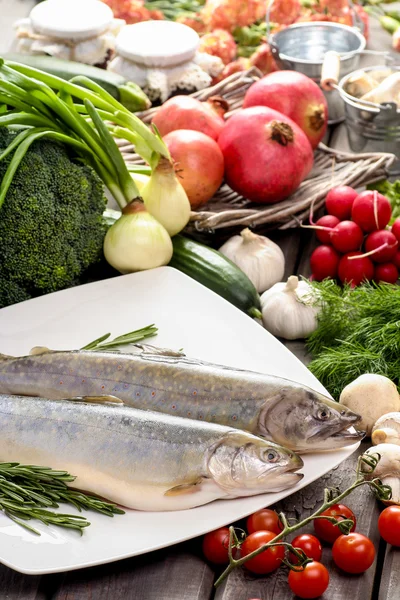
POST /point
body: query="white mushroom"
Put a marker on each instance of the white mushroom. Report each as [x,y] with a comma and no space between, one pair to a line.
[387,429]
[387,91]
[388,468]
[380,74]
[371,396]
[361,83]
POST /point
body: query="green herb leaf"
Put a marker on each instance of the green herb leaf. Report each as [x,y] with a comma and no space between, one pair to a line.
[358,332]
[132,337]
[28,491]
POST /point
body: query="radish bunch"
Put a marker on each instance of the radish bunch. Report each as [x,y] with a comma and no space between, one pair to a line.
[356,242]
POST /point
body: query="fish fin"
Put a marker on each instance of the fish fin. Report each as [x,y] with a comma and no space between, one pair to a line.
[185,488]
[36,350]
[96,399]
[153,350]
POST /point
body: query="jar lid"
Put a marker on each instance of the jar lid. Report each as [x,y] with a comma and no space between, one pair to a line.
[71,19]
[157,43]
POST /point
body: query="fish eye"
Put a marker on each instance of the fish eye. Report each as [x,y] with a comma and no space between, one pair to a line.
[323,414]
[271,455]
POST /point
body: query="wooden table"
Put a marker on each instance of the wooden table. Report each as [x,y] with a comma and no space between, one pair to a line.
[179,572]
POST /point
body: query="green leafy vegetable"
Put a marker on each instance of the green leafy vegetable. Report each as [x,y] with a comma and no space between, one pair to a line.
[358,332]
[51,223]
[172,9]
[28,491]
[79,113]
[249,38]
[392,193]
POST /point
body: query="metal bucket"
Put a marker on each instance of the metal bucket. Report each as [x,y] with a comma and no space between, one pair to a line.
[371,127]
[302,47]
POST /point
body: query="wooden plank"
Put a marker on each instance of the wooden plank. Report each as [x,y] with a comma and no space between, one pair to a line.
[15,586]
[390,582]
[242,586]
[167,574]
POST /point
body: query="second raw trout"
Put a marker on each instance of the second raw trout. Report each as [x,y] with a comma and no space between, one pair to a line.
[280,410]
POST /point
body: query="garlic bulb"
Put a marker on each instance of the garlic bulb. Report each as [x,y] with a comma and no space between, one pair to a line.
[288,310]
[259,258]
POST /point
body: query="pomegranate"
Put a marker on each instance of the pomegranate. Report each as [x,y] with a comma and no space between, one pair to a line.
[296,96]
[199,164]
[184,112]
[241,64]
[266,154]
[263,59]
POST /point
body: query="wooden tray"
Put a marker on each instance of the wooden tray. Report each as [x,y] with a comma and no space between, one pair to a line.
[229,210]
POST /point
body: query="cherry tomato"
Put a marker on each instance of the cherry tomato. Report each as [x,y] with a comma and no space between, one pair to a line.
[310,546]
[267,561]
[353,553]
[328,531]
[310,582]
[215,546]
[264,520]
[389,525]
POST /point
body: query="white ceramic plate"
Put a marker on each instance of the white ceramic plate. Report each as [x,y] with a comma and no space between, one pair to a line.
[188,316]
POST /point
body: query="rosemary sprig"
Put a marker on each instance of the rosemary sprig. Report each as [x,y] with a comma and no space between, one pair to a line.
[126,339]
[366,465]
[28,491]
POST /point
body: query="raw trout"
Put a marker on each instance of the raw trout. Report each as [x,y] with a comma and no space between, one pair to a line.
[280,410]
[142,459]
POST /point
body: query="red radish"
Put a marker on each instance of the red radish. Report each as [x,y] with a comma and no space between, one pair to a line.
[296,96]
[386,272]
[346,236]
[355,270]
[339,201]
[199,164]
[266,154]
[381,246]
[371,211]
[396,259]
[326,221]
[396,229]
[184,112]
[324,263]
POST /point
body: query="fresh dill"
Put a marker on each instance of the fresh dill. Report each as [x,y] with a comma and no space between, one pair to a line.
[358,332]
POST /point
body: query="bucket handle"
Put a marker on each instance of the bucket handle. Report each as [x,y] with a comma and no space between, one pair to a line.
[330,79]
[356,20]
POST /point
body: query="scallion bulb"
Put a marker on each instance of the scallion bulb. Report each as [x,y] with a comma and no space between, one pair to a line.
[137,241]
[166,199]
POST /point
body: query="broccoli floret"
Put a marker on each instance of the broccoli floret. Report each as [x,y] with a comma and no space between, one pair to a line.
[51,226]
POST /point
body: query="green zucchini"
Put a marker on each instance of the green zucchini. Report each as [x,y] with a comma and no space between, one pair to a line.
[126,92]
[218,273]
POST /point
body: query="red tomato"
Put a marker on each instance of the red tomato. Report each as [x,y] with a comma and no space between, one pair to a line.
[215,546]
[267,561]
[310,582]
[389,525]
[310,546]
[264,520]
[353,553]
[328,531]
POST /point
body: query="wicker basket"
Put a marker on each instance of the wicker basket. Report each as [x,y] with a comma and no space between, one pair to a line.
[228,210]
